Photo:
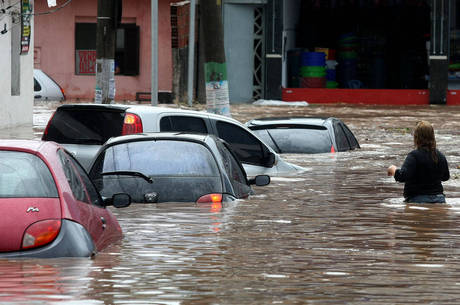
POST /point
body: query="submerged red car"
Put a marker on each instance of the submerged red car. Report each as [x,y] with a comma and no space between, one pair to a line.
[49,206]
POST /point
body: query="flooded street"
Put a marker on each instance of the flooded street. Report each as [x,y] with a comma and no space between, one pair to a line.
[338,233]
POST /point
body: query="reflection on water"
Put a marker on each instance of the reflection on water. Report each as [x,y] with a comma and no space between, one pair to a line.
[338,233]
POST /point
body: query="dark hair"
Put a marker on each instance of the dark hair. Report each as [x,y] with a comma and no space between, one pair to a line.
[424,138]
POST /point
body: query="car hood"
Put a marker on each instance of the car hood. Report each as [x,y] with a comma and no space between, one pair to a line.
[20,213]
[280,168]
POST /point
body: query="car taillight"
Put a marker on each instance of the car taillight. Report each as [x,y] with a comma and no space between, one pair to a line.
[132,124]
[41,233]
[210,198]
[63,94]
[45,133]
[332,149]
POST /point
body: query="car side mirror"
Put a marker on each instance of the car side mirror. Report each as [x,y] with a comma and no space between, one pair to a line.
[269,159]
[260,180]
[120,200]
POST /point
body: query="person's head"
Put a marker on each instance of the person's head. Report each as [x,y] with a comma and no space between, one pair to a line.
[424,136]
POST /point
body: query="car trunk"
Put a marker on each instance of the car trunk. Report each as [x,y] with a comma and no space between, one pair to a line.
[20,213]
[82,129]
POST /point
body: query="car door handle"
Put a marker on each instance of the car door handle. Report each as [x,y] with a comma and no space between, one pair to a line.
[103,223]
[38,96]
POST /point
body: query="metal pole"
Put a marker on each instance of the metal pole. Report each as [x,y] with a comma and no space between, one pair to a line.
[154,53]
[433,38]
[442,27]
[191,52]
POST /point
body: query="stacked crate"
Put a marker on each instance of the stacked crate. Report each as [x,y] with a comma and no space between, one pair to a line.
[313,70]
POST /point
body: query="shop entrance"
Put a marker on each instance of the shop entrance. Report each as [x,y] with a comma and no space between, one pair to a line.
[376,44]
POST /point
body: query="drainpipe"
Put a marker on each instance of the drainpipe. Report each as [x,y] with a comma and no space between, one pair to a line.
[438,58]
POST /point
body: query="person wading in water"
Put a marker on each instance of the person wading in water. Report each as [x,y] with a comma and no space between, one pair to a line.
[424,168]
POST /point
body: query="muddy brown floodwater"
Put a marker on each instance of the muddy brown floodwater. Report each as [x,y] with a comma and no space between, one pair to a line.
[338,233]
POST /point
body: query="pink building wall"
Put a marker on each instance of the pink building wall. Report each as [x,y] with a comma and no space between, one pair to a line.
[55,47]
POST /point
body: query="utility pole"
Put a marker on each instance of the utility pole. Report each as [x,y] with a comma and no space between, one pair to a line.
[215,67]
[154,52]
[191,52]
[105,52]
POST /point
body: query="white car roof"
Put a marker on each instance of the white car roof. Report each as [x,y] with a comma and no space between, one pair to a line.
[140,109]
[180,111]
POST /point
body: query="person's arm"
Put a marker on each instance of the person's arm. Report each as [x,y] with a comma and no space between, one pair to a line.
[391,170]
[445,175]
[407,170]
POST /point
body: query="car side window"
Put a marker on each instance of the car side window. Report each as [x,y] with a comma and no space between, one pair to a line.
[234,171]
[340,138]
[351,138]
[93,194]
[37,86]
[247,147]
[183,123]
[76,185]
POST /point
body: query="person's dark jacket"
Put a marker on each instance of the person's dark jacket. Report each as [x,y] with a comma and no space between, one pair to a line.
[421,174]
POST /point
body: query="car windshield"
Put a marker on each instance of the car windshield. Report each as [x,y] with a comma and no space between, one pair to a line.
[297,140]
[180,170]
[160,158]
[25,175]
[84,126]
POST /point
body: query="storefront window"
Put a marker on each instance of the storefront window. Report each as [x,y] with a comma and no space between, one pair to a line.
[126,51]
[371,44]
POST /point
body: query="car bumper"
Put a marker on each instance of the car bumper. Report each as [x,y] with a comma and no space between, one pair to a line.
[72,241]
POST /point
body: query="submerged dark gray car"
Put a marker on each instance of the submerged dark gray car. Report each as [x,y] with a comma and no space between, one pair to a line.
[171,167]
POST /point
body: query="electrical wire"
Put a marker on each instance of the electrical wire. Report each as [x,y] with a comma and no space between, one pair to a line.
[3,10]
[15,24]
[51,11]
[4,14]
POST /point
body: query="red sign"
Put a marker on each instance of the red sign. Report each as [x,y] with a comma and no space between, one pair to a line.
[86,62]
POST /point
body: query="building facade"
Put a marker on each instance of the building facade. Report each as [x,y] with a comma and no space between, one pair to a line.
[65,48]
[16,63]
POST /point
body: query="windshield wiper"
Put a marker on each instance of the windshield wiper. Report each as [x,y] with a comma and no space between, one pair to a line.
[129,173]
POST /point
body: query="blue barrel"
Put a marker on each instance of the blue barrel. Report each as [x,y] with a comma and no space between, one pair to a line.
[313,59]
[331,74]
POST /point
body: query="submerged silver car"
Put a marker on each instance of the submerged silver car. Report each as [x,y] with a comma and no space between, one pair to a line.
[307,135]
[83,128]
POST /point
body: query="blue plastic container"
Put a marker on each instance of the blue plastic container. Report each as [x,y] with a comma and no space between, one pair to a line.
[313,59]
[331,74]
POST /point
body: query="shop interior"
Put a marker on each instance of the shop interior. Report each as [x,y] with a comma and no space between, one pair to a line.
[375,44]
